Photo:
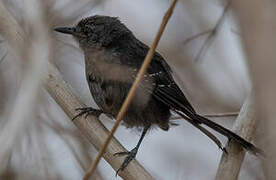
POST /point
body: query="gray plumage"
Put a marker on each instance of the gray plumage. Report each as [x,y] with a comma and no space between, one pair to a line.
[113,56]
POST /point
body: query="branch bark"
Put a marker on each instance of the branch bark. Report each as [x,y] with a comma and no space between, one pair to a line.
[244,126]
[258,33]
[91,127]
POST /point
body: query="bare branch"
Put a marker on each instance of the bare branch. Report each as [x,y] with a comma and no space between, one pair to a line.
[209,40]
[244,126]
[258,35]
[91,127]
[186,41]
[211,34]
[227,114]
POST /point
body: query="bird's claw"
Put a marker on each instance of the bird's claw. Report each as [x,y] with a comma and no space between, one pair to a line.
[130,156]
[224,150]
[87,111]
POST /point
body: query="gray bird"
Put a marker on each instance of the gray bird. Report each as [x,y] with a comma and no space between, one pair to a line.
[113,56]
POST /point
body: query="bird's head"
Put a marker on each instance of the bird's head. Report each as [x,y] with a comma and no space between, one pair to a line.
[96,30]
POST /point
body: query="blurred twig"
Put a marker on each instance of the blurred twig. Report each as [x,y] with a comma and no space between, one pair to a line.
[186,41]
[133,88]
[244,126]
[211,34]
[10,30]
[209,40]
[74,10]
[35,55]
[259,40]
[227,114]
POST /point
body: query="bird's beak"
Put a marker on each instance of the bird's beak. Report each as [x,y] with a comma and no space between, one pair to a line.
[65,30]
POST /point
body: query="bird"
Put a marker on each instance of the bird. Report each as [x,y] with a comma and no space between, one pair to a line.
[113,56]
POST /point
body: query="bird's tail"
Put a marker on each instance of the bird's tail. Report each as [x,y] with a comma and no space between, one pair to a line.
[247,145]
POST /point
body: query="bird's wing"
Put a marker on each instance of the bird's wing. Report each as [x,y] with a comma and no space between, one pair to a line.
[166,90]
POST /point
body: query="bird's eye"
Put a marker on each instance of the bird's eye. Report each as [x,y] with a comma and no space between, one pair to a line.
[88,29]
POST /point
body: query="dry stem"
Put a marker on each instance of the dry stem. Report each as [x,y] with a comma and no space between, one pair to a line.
[258,35]
[244,126]
[215,115]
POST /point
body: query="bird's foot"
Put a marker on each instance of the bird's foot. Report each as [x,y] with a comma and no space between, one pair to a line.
[224,150]
[88,111]
[130,156]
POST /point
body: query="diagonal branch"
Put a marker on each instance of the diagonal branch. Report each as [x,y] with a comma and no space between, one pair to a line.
[211,33]
[91,127]
[209,40]
[186,41]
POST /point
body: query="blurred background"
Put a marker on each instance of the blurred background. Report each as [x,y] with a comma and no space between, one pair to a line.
[211,69]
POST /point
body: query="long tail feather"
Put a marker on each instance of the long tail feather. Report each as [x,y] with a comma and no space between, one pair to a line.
[247,145]
[204,131]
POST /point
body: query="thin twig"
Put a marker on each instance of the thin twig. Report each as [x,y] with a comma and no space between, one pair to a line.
[209,40]
[227,114]
[132,90]
[186,41]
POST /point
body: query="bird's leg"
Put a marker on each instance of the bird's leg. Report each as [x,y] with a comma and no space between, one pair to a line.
[131,154]
[88,111]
